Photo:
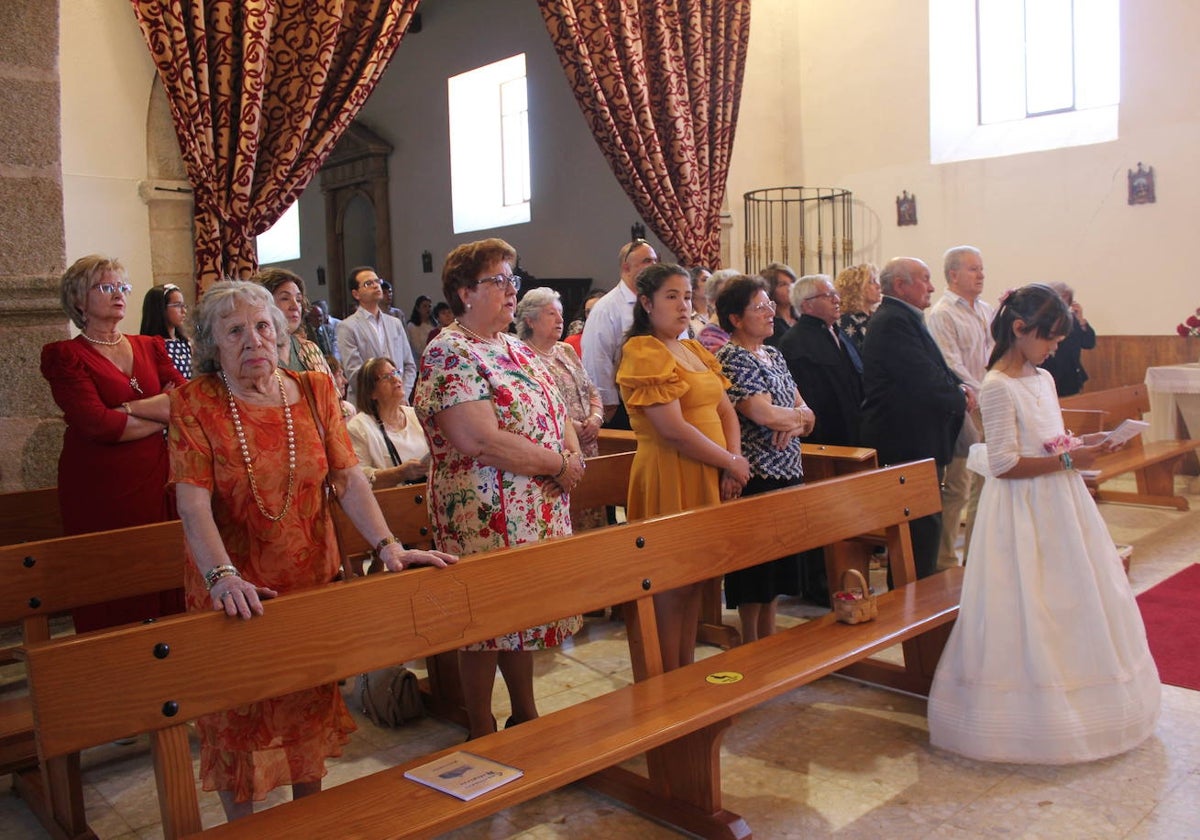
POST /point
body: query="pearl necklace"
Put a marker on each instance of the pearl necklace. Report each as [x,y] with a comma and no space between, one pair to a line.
[291,441]
[112,343]
[543,353]
[474,334]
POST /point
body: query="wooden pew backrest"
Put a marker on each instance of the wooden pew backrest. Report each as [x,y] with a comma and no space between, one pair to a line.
[28,515]
[1128,402]
[152,678]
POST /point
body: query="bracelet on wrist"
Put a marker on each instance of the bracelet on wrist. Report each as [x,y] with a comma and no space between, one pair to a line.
[1067,464]
[566,462]
[384,543]
[217,573]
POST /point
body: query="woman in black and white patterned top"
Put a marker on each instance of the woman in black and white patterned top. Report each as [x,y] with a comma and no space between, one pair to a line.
[772,417]
[163,314]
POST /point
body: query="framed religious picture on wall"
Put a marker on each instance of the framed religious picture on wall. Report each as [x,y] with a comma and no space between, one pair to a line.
[906,209]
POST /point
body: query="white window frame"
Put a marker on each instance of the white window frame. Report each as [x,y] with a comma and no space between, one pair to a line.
[955,133]
[489,146]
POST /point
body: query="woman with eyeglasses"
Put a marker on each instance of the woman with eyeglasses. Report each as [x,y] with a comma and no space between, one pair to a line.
[163,314]
[505,457]
[111,387]
[386,433]
[772,417]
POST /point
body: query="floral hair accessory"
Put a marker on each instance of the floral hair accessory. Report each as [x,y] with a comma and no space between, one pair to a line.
[1007,294]
[1062,443]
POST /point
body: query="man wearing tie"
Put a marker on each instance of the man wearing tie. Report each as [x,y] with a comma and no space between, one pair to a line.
[913,404]
[824,362]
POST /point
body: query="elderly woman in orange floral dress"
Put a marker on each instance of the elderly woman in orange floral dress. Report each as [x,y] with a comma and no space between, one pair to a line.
[251,447]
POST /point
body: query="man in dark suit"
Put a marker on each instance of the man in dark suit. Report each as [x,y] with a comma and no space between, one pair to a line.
[824,362]
[913,404]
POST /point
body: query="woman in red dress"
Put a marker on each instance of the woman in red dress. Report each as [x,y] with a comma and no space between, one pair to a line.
[112,472]
[251,447]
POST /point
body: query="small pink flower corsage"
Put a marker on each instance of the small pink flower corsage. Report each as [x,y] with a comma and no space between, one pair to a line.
[1062,443]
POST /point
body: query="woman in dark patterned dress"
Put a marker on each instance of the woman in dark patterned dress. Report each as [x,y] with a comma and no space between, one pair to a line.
[772,416]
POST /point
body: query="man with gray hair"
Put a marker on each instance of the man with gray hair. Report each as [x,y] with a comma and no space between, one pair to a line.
[913,404]
[824,362]
[961,324]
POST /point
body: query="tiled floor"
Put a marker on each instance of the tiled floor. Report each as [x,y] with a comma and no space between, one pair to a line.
[833,759]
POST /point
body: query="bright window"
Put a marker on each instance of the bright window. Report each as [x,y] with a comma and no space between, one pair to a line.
[1014,76]
[489,146]
[281,242]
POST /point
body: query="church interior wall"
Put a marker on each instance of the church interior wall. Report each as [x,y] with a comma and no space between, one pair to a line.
[835,95]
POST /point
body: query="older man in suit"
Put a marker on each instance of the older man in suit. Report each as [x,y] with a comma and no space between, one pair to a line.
[913,404]
[824,361]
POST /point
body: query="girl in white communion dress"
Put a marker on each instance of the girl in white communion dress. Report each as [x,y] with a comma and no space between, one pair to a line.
[1048,661]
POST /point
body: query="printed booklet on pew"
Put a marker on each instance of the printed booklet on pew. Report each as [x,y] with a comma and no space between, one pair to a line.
[463,774]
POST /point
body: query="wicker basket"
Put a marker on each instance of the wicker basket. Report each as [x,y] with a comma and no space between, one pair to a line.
[854,606]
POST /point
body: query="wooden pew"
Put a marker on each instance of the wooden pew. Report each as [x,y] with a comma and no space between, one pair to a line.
[27,515]
[154,678]
[47,577]
[1152,463]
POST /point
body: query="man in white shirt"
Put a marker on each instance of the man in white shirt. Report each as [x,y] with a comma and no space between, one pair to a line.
[604,330]
[961,324]
[370,332]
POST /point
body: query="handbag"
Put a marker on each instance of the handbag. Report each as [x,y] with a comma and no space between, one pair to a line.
[390,696]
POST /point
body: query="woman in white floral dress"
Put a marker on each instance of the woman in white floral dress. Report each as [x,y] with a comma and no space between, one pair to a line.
[504,457]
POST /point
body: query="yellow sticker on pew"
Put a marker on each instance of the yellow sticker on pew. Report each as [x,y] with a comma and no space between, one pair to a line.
[723,677]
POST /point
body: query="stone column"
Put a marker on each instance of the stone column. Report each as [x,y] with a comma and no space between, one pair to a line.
[32,246]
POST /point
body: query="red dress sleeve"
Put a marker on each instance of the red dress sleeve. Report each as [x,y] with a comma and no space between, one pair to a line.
[76,392]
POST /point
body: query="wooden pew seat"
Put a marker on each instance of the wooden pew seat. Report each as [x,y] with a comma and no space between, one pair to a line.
[592,737]
[1153,464]
[153,678]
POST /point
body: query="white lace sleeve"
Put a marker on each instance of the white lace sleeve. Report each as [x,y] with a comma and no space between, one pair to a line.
[999,425]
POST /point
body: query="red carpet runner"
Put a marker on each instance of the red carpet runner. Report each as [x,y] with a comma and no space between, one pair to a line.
[1171,612]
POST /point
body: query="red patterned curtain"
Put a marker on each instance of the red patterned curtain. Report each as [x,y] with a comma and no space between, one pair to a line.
[659,82]
[260,92]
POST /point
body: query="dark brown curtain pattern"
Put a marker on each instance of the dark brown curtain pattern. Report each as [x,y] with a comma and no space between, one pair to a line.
[260,93]
[659,83]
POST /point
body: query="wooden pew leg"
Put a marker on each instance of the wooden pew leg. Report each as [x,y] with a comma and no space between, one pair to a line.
[684,788]
[177,800]
[54,793]
[443,690]
[712,630]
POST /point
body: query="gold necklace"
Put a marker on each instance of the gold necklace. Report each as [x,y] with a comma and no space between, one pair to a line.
[291,440]
[474,334]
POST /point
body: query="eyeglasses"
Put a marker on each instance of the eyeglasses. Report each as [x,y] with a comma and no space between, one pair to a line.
[500,279]
[394,374]
[177,306]
[371,283]
[109,288]
[831,295]
[768,306]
